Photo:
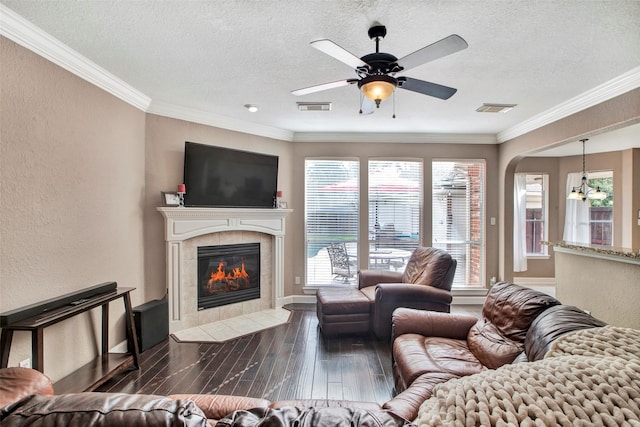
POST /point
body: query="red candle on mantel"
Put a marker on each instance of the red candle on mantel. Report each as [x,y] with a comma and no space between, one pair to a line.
[182,188]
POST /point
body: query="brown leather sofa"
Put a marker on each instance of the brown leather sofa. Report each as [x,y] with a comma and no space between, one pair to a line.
[429,348]
[517,325]
[26,398]
[425,284]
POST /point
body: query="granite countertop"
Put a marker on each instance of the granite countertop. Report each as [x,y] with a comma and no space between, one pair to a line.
[597,249]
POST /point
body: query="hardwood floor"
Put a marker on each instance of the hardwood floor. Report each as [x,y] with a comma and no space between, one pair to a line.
[291,361]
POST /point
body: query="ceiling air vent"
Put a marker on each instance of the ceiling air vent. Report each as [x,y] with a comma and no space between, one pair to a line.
[495,108]
[314,106]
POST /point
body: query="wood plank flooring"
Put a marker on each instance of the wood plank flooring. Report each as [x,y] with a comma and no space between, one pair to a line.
[291,361]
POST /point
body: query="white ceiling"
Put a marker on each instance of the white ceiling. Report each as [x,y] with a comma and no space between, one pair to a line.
[212,57]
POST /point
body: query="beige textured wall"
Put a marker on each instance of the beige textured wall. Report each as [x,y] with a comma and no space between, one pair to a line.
[426,152]
[165,139]
[610,290]
[72,182]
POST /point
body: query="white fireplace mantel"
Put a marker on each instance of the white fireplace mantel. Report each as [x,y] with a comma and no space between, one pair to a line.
[186,223]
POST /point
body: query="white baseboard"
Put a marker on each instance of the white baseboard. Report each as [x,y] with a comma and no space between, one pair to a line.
[311,299]
[300,299]
[121,347]
[542,284]
[535,281]
[468,300]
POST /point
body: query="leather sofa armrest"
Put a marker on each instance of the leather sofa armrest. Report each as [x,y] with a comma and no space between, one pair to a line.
[373,277]
[407,403]
[409,292]
[431,323]
[217,406]
[16,383]
[389,296]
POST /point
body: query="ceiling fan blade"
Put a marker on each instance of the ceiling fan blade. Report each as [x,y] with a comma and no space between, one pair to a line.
[439,49]
[427,88]
[367,107]
[324,86]
[339,53]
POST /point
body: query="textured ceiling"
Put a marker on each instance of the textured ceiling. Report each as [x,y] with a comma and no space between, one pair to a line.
[216,56]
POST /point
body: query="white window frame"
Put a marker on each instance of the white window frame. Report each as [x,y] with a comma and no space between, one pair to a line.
[483,229]
[596,175]
[545,215]
[396,261]
[352,246]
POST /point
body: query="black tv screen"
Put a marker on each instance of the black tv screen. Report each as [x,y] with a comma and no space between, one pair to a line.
[223,177]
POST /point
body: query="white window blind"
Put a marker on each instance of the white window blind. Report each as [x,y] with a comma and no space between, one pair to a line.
[332,189]
[395,205]
[458,217]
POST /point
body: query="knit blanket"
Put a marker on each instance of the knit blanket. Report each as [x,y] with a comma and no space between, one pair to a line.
[589,377]
[607,341]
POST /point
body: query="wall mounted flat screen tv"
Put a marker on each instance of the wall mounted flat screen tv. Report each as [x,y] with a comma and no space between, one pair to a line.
[224,177]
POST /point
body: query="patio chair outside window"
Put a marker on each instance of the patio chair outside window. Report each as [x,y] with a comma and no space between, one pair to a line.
[343,265]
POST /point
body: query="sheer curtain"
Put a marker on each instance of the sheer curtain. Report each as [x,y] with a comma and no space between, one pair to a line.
[520,222]
[576,220]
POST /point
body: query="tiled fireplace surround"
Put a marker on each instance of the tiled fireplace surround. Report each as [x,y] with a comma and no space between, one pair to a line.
[188,228]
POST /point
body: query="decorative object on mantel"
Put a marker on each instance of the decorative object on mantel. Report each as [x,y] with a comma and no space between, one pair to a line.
[170,199]
[279,203]
[583,191]
[182,189]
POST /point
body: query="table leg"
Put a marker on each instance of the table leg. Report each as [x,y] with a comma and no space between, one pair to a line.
[132,336]
[105,328]
[5,344]
[37,349]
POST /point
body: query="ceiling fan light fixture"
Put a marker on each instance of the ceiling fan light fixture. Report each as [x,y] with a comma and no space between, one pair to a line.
[378,88]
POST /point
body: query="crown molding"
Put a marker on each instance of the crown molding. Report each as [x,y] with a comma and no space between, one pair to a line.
[608,90]
[224,122]
[24,33]
[391,137]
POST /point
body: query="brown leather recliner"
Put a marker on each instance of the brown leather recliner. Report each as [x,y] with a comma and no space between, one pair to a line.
[425,284]
[430,348]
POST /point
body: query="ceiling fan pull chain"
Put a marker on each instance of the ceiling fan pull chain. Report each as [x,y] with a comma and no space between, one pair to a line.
[394,105]
[361,100]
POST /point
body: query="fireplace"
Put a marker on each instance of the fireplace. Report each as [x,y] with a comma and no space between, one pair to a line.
[228,274]
[187,229]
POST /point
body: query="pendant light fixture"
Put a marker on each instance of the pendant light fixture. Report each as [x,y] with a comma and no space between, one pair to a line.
[583,191]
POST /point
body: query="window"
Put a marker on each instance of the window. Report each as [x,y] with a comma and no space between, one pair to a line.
[395,206]
[458,217]
[332,189]
[601,211]
[536,213]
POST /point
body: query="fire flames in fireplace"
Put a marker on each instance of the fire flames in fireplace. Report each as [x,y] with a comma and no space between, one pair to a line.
[228,274]
[220,280]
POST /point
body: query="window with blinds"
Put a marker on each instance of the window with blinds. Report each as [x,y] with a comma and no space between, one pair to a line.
[332,189]
[395,205]
[458,217]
